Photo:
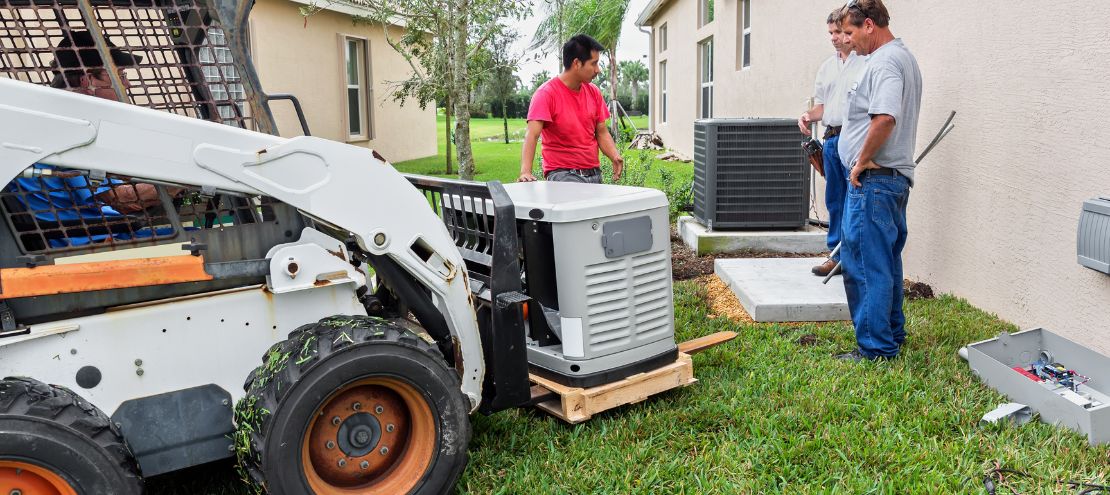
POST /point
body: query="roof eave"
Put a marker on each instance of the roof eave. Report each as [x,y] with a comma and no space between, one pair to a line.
[648,14]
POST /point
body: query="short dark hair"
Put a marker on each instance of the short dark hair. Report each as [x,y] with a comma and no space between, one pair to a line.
[835,15]
[857,11]
[580,48]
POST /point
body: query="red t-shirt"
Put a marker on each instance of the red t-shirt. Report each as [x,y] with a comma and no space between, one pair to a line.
[570,120]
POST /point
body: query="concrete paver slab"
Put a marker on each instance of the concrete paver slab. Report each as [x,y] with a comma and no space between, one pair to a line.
[783,289]
[702,241]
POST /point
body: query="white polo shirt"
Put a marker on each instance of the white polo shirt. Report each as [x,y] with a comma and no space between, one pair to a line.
[834,80]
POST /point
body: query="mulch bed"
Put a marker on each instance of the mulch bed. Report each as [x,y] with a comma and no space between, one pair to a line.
[685,264]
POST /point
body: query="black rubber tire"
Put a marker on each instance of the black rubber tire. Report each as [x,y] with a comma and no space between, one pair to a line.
[54,428]
[301,373]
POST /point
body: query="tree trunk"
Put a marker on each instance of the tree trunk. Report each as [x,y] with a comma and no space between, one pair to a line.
[635,93]
[460,87]
[505,118]
[447,131]
[613,83]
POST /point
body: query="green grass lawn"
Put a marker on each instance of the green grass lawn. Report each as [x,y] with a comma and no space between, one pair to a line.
[774,413]
[495,160]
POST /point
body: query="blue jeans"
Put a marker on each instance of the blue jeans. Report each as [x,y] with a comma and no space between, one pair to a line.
[874,234]
[836,187]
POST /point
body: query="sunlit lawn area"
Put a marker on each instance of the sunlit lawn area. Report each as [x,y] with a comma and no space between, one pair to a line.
[495,160]
[774,413]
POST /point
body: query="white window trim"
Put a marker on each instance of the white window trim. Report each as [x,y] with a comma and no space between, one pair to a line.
[663,38]
[745,33]
[663,92]
[366,106]
[705,84]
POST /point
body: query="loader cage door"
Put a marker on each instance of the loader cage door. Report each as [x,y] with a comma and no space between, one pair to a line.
[191,63]
[481,219]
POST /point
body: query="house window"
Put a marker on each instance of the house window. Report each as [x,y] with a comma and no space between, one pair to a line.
[356,62]
[705,51]
[705,12]
[744,41]
[224,83]
[663,37]
[662,92]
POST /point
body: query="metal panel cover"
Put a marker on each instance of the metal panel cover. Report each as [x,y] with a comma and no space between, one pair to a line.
[625,237]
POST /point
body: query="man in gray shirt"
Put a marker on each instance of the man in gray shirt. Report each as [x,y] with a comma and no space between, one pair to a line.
[877,144]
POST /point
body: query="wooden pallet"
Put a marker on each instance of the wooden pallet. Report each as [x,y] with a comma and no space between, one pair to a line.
[575,405]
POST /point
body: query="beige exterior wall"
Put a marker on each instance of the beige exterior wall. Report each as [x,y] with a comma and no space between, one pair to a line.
[307,61]
[994,213]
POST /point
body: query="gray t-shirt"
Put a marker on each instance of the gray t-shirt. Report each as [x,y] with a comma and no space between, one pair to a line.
[891,85]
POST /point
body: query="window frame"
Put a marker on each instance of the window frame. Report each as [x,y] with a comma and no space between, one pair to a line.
[744,35]
[663,92]
[705,78]
[706,12]
[663,38]
[364,87]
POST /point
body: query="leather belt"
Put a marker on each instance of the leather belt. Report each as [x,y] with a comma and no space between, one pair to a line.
[831,131]
[880,171]
[581,172]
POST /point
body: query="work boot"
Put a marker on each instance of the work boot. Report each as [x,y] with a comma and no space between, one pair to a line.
[823,269]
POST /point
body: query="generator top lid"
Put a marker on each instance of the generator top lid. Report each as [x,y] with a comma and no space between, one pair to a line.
[563,202]
[747,121]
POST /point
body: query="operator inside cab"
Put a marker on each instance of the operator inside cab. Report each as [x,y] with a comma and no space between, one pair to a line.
[569,113]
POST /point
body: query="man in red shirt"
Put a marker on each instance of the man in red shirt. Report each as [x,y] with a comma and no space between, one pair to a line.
[570,114]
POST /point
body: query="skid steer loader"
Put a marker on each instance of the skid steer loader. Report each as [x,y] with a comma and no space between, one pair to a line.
[385,308]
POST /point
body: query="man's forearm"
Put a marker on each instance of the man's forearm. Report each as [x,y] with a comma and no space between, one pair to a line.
[877,134]
[528,153]
[817,112]
[607,145]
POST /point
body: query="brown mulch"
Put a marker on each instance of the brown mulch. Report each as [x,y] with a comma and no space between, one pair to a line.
[686,265]
[722,301]
[916,290]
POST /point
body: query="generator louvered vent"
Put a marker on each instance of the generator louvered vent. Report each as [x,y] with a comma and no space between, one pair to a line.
[750,173]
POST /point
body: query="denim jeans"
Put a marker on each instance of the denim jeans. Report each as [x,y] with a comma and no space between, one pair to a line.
[836,187]
[874,233]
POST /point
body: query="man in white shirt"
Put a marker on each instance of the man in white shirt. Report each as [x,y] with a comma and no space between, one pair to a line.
[830,90]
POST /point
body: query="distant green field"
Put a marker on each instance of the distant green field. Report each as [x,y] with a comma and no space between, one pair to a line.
[495,160]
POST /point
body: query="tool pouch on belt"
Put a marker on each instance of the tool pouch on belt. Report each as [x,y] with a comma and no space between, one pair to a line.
[815,153]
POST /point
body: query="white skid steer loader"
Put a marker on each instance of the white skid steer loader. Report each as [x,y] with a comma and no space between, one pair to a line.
[154,248]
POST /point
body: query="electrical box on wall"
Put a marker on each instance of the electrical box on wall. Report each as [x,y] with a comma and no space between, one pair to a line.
[1093,239]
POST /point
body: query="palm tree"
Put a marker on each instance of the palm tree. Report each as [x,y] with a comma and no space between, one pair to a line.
[601,19]
[634,72]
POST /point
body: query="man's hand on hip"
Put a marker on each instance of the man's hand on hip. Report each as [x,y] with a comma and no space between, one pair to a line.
[858,169]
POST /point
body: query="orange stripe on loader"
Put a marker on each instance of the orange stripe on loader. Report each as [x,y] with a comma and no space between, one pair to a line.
[100,275]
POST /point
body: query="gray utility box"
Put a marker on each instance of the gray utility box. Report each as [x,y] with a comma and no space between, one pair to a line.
[1086,410]
[750,173]
[607,250]
[1093,243]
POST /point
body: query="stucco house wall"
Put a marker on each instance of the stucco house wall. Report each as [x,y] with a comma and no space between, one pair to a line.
[994,213]
[305,59]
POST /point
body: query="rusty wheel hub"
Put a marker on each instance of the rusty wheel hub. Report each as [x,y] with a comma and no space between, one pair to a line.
[358,435]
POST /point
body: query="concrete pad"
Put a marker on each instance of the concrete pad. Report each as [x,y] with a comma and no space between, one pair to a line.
[783,289]
[809,239]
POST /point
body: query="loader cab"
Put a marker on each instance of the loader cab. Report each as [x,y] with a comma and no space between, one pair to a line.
[186,57]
